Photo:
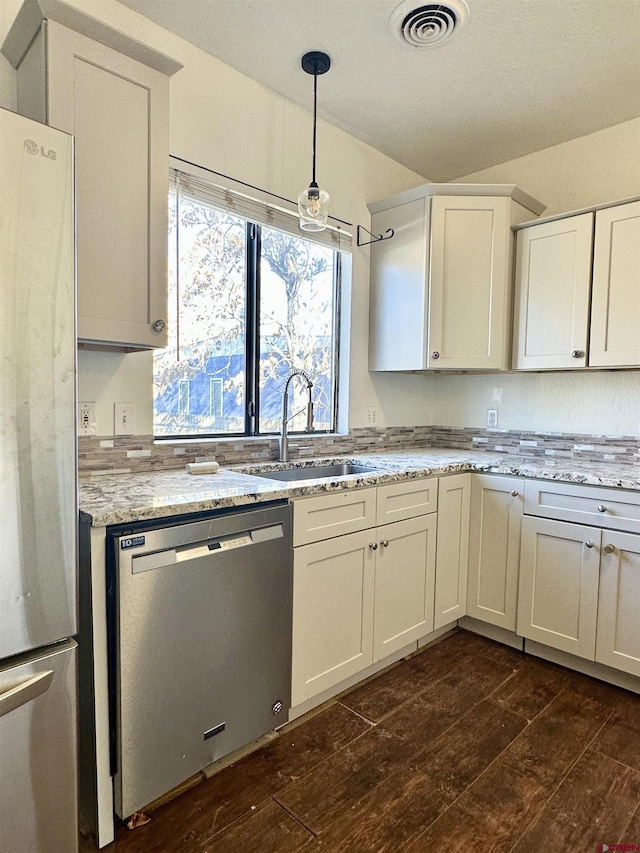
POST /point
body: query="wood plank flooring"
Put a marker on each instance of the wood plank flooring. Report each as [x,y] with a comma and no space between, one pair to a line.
[466,745]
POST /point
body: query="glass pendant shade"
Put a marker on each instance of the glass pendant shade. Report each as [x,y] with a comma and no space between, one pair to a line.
[313,208]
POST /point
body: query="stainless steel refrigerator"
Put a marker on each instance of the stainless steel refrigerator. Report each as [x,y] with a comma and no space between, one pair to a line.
[38,515]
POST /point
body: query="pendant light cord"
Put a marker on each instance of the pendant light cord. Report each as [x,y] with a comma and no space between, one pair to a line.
[315,112]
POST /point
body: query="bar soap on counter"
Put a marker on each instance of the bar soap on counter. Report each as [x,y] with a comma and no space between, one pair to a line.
[203,467]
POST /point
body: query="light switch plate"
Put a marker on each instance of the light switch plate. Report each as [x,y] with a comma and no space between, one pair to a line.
[123,418]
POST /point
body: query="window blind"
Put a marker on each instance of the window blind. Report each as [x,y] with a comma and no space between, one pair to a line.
[253,204]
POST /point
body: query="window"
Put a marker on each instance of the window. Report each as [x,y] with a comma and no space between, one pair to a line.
[183,398]
[215,399]
[249,300]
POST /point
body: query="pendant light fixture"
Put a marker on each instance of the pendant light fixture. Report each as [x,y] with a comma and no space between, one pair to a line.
[313,203]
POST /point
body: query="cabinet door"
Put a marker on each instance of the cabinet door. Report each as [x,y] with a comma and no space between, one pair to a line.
[404,581]
[469,282]
[452,549]
[117,110]
[332,612]
[553,277]
[558,595]
[615,307]
[494,549]
[618,642]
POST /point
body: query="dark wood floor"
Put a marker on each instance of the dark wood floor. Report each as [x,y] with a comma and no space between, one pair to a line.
[467,745]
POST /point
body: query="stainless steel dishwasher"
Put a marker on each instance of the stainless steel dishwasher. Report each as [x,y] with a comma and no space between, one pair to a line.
[200,636]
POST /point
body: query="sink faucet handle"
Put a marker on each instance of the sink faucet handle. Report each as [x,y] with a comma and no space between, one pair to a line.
[295,414]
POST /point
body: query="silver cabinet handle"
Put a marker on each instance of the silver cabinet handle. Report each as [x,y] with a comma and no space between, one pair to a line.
[384,542]
[373,546]
[25,692]
[435,355]
[577,353]
[589,543]
[602,508]
[609,549]
[159,326]
[514,493]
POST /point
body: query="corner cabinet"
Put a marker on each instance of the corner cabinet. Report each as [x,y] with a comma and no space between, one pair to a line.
[117,108]
[556,280]
[445,276]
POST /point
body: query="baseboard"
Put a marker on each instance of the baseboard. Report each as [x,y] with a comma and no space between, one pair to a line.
[492,632]
[586,667]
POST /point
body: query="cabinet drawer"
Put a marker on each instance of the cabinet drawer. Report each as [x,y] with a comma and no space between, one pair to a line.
[326,516]
[609,508]
[408,499]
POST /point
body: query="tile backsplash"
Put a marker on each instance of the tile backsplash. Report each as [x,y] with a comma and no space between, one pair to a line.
[137,453]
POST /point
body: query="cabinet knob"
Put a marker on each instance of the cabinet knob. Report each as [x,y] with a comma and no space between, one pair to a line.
[609,549]
[384,542]
[373,546]
[577,353]
[602,508]
[589,543]
[514,493]
[159,326]
[435,355]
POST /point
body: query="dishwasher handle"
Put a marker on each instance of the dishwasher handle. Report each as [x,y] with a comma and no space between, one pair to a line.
[196,550]
[20,694]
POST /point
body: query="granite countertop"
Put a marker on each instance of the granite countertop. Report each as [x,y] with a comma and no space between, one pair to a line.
[123,498]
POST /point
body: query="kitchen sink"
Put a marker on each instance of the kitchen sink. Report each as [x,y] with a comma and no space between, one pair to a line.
[316,472]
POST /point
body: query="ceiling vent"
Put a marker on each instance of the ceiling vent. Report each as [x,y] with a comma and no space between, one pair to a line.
[429,25]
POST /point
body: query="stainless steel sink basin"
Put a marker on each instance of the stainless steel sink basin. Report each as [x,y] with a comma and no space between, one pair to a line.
[316,472]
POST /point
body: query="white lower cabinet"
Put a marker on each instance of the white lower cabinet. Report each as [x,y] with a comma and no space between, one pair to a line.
[462,546]
[333,585]
[452,554]
[618,637]
[494,549]
[558,590]
[404,581]
[360,597]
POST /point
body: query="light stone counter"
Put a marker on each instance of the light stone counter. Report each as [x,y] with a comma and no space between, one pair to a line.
[124,498]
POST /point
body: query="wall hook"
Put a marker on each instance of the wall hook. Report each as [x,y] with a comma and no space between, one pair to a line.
[377,238]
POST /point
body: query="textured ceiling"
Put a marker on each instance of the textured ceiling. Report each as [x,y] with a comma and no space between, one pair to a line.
[522,75]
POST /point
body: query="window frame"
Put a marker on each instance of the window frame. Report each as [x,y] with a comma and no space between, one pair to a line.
[253,244]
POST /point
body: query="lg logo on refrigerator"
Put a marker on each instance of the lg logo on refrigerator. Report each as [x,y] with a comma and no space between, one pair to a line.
[32,147]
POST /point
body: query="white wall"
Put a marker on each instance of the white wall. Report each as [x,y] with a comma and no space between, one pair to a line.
[594,169]
[598,168]
[222,120]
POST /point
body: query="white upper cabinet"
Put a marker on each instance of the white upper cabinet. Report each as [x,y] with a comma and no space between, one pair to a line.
[562,267]
[114,98]
[553,278]
[615,305]
[441,286]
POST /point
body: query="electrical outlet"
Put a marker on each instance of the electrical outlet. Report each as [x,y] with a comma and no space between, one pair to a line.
[123,414]
[86,419]
[371,416]
[492,418]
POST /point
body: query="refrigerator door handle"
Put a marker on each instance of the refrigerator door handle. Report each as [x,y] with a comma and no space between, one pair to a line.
[19,695]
